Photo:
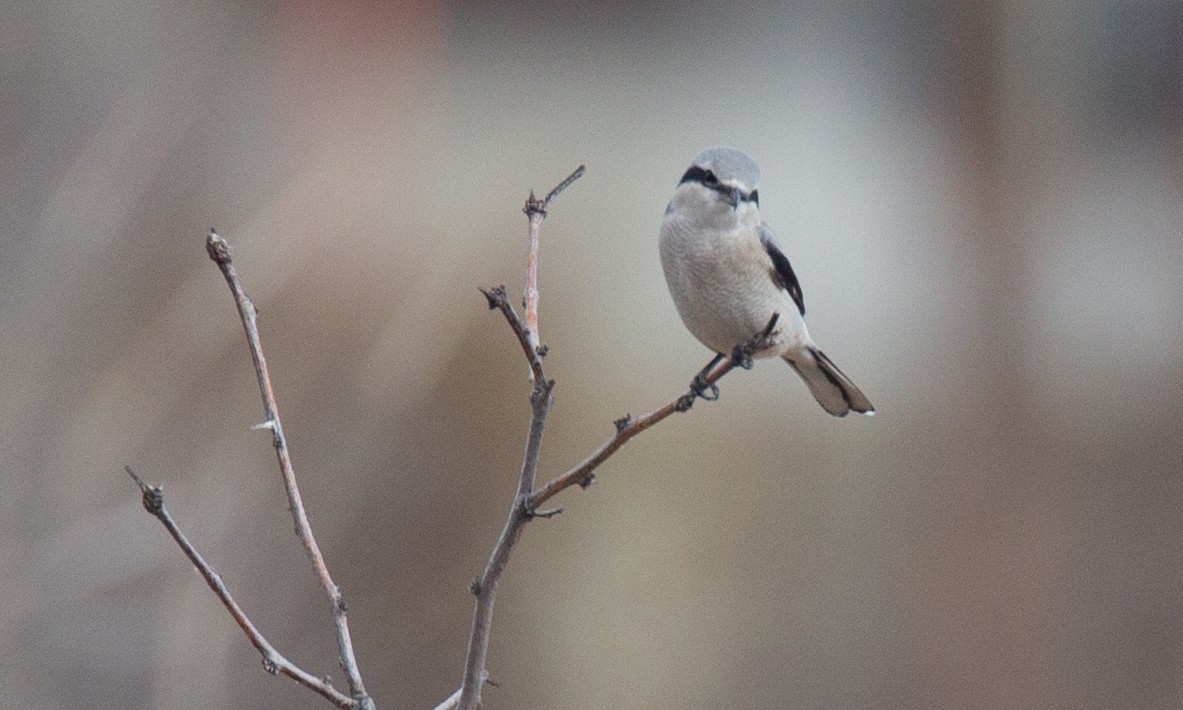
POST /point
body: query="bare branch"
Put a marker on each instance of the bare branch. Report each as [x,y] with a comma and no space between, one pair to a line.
[219,252]
[521,511]
[627,427]
[563,186]
[273,661]
[535,210]
[534,352]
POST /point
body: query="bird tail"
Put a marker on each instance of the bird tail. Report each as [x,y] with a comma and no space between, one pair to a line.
[833,390]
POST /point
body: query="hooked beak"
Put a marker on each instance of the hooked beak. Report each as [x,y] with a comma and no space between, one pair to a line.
[732,196]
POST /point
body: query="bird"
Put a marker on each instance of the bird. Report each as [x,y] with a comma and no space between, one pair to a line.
[731,281]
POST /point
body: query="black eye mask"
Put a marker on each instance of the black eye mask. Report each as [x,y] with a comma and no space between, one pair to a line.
[709,180]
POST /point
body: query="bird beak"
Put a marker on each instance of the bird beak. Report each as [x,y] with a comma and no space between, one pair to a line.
[732,196]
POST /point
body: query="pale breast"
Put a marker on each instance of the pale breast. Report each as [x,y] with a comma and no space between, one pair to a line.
[723,287]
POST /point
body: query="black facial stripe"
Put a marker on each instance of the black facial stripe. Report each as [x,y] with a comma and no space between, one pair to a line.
[701,176]
[709,180]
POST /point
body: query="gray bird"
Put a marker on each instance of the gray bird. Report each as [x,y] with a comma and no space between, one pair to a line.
[728,277]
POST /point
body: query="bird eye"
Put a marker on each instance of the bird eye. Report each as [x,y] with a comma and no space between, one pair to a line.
[709,179]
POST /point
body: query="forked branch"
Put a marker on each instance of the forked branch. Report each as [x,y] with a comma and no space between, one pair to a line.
[153,499]
[274,662]
[219,251]
[527,500]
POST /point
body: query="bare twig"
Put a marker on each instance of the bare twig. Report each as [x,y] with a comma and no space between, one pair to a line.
[535,210]
[273,661]
[499,301]
[627,427]
[219,252]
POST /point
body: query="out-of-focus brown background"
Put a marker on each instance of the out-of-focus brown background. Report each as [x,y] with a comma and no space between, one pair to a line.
[984,202]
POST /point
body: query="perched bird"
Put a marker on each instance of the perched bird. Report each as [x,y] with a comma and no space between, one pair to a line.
[730,280]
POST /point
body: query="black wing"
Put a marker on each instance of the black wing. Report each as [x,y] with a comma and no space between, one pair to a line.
[782,271]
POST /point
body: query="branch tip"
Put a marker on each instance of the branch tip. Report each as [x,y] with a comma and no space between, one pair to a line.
[494,295]
[139,481]
[152,497]
[217,248]
[564,185]
[535,206]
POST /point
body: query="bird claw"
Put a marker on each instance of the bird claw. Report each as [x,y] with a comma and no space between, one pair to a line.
[742,354]
[703,389]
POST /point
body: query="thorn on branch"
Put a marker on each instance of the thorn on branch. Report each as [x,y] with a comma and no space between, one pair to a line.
[475,586]
[623,423]
[548,513]
[587,480]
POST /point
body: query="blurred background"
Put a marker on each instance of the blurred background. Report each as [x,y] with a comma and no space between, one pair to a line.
[983,201]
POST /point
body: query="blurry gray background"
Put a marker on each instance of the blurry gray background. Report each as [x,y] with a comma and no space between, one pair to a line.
[984,202]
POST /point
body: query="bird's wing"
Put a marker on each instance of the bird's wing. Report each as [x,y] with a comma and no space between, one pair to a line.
[782,271]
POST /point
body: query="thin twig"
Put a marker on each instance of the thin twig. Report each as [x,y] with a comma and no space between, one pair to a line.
[273,661]
[498,300]
[563,186]
[627,427]
[535,210]
[219,252]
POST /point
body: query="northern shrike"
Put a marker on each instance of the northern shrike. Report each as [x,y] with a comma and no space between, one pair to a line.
[728,277]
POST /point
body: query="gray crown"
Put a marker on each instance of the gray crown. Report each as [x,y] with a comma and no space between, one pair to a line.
[730,166]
